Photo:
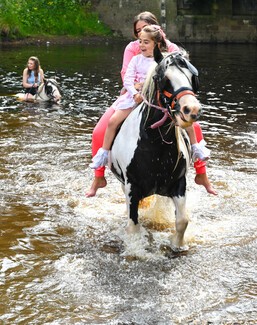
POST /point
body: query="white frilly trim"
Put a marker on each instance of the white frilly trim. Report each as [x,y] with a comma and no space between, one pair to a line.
[100,159]
[199,151]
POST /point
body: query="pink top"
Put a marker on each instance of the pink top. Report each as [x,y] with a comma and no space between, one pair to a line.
[133,49]
[136,73]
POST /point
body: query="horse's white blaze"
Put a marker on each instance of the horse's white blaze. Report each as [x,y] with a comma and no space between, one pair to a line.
[182,78]
[190,101]
[179,78]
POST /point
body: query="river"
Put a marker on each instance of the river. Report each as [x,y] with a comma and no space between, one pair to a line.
[65,259]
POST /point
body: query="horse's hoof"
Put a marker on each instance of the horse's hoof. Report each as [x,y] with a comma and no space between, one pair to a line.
[179,249]
[132,228]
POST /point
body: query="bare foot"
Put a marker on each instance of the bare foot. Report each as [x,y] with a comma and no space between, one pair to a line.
[98,182]
[202,179]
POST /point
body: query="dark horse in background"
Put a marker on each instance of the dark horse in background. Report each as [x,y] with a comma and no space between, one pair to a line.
[151,153]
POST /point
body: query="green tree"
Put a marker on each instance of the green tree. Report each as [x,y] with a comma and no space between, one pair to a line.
[49,17]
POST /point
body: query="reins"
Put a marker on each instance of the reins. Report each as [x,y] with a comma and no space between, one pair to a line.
[167,101]
[39,91]
[167,112]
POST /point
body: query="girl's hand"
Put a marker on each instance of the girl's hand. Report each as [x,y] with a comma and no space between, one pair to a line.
[123,91]
[138,86]
[137,98]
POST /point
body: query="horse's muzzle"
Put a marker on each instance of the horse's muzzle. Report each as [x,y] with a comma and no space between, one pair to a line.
[185,117]
[57,99]
[195,117]
[190,114]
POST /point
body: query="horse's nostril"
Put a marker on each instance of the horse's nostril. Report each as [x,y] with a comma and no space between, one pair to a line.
[186,110]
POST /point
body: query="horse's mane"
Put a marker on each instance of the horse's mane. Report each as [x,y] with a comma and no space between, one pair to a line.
[41,87]
[49,80]
[148,87]
[55,83]
[184,52]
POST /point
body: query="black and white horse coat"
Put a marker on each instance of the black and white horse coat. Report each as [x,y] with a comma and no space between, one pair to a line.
[151,152]
[49,90]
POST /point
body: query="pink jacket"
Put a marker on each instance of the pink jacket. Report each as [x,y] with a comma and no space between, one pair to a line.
[133,49]
[136,72]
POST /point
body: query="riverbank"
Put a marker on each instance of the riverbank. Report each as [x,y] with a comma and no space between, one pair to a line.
[62,40]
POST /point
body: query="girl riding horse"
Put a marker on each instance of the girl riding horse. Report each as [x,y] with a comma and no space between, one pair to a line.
[135,75]
[141,20]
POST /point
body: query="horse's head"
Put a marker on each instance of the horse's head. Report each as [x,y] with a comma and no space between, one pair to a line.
[176,80]
[52,90]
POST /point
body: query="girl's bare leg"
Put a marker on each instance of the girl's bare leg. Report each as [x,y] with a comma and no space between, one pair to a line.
[201,177]
[98,182]
[117,118]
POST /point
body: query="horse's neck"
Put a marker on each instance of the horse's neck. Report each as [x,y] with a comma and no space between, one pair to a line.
[41,93]
[163,133]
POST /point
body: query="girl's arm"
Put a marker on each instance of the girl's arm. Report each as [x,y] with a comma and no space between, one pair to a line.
[130,76]
[172,47]
[131,50]
[25,83]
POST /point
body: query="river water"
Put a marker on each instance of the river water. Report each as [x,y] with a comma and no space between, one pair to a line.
[65,259]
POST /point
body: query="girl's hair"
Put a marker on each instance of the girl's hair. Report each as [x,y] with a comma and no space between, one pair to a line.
[37,66]
[157,35]
[146,16]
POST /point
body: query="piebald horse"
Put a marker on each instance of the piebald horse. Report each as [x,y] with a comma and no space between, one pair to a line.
[151,153]
[49,90]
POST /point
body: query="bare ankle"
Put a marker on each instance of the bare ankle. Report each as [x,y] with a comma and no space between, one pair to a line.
[202,179]
[98,182]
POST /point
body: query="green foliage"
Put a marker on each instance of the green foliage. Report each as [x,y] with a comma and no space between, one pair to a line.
[9,20]
[52,17]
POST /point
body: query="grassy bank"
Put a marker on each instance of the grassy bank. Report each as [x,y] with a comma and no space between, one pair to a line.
[23,18]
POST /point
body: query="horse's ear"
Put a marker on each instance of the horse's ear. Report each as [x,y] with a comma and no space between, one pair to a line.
[157,54]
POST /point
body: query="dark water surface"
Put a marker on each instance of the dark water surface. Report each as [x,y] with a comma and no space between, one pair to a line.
[65,259]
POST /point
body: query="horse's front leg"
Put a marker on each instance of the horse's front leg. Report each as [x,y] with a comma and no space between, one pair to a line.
[181,223]
[132,209]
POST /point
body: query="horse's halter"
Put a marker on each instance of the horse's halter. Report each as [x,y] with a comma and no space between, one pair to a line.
[168,99]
